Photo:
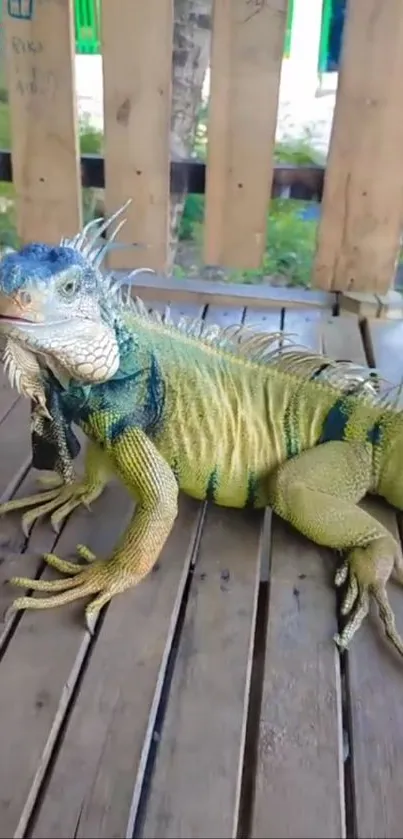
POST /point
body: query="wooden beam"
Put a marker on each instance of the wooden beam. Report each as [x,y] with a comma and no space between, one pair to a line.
[39,41]
[362,209]
[137,58]
[247,50]
[159,288]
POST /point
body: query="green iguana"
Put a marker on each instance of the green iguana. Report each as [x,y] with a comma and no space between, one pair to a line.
[226,415]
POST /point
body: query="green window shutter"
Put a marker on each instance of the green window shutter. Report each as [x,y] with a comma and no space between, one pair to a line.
[324,35]
[288,29]
[87,26]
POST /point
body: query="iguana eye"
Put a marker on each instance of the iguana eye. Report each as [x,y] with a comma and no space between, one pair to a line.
[69,286]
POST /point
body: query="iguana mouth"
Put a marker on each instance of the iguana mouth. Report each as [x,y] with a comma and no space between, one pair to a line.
[9,319]
[36,323]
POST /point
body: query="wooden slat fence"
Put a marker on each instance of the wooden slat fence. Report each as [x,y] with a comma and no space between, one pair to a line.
[360,226]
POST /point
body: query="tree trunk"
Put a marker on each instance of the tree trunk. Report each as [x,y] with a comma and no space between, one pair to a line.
[191,54]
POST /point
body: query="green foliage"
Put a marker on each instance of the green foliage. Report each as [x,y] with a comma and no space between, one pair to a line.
[290,244]
[192,218]
[91,139]
[5,129]
[298,151]
[8,228]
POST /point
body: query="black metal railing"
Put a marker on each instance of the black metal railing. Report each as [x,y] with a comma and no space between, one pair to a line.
[304,182]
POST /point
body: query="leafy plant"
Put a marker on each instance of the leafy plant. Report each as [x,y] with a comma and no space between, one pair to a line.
[290,244]
[91,139]
[192,218]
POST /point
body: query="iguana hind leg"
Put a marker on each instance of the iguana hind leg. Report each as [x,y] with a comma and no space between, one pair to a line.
[318,493]
[60,501]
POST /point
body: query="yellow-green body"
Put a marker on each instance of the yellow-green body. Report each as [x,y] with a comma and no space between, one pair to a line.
[229,420]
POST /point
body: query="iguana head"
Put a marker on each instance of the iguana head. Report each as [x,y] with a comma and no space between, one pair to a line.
[55,303]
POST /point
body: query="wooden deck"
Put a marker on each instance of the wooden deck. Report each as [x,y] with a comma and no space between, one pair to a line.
[211,701]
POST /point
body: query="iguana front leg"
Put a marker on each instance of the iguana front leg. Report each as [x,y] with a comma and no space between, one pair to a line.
[318,493]
[147,475]
[64,497]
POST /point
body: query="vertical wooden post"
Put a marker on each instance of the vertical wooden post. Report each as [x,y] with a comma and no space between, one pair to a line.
[39,36]
[247,51]
[362,210]
[137,37]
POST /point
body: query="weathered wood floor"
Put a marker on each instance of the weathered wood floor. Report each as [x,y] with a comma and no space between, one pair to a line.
[211,701]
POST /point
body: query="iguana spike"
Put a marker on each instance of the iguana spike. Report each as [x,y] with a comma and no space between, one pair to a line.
[105,223]
[98,256]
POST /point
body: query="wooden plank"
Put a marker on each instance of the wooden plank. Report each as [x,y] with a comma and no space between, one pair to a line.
[157,288]
[19,557]
[8,395]
[341,339]
[16,445]
[304,327]
[299,773]
[223,315]
[360,225]
[374,675]
[262,320]
[247,51]
[13,542]
[359,303]
[386,341]
[187,310]
[41,667]
[299,776]
[194,790]
[137,58]
[109,733]
[375,683]
[41,88]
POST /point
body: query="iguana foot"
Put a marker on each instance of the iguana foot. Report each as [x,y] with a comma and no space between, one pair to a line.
[60,501]
[367,571]
[103,578]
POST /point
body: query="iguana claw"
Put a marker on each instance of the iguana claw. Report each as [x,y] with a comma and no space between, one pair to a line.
[368,569]
[59,502]
[102,578]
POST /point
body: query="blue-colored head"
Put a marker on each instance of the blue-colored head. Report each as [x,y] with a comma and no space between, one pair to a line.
[53,301]
[46,284]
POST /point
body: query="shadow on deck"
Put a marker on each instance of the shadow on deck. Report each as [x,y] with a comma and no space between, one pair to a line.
[211,701]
